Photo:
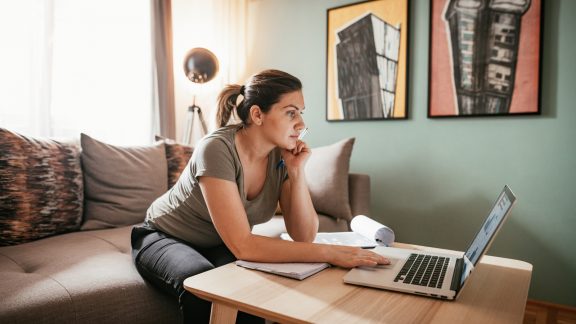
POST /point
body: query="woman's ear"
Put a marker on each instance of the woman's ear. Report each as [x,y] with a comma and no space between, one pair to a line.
[256,115]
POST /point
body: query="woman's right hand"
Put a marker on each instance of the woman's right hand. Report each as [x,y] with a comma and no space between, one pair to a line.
[350,257]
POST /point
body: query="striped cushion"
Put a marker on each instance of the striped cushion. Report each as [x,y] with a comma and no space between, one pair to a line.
[41,188]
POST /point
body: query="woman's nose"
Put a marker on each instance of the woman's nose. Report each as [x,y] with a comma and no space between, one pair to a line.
[301,124]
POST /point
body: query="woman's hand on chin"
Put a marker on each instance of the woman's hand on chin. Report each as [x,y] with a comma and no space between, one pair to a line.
[296,157]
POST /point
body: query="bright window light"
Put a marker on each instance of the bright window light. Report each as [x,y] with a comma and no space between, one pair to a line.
[91,66]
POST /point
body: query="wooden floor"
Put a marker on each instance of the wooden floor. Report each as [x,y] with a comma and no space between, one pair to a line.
[538,312]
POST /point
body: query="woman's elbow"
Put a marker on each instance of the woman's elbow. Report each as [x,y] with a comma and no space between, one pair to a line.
[307,237]
[241,249]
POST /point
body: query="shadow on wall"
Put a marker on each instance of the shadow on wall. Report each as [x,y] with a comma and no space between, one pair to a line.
[553,277]
[549,64]
[420,219]
[420,214]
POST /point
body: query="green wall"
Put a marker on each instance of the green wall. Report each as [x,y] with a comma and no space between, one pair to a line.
[431,177]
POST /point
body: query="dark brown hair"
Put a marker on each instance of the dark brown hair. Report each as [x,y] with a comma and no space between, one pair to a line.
[263,89]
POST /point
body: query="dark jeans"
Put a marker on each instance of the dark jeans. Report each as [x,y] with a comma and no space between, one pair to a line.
[166,261]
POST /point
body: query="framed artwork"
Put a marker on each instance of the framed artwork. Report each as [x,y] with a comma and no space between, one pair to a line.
[366,61]
[484,58]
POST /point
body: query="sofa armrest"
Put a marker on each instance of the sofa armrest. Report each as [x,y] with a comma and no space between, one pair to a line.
[359,192]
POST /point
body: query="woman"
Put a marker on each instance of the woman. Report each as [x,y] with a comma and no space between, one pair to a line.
[233,181]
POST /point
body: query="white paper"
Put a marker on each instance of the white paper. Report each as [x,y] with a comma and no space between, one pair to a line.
[372,229]
[339,238]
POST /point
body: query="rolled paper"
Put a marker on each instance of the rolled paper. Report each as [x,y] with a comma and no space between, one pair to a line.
[370,228]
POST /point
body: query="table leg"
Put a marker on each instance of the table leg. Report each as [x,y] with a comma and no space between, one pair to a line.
[223,314]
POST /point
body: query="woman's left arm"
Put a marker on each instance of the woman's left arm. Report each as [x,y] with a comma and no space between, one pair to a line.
[299,214]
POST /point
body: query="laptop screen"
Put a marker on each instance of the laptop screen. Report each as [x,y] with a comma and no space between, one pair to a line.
[486,234]
[491,225]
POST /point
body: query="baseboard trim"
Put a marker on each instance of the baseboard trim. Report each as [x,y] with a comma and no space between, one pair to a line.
[541,312]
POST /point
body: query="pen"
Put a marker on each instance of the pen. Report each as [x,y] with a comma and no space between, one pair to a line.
[303,133]
[300,137]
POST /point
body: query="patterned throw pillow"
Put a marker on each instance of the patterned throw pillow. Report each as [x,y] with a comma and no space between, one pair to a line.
[177,156]
[41,189]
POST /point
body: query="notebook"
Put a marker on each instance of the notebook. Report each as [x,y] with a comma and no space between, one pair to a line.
[433,274]
[298,270]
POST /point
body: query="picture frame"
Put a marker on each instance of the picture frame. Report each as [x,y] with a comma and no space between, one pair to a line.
[485,58]
[367,61]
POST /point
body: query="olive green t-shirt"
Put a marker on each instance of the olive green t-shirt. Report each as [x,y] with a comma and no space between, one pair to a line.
[182,212]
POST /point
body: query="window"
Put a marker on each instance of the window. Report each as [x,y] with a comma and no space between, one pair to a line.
[77,66]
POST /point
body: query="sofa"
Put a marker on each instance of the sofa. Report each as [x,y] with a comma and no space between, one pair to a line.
[66,213]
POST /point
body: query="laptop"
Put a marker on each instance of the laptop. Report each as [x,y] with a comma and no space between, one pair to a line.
[434,274]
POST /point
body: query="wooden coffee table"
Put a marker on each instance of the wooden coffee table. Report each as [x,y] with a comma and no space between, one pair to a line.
[496,293]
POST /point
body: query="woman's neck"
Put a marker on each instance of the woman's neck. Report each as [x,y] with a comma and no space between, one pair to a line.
[250,143]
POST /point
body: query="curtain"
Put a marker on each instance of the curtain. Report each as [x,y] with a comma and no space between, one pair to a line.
[231,21]
[230,26]
[26,28]
[163,75]
[71,66]
[219,26]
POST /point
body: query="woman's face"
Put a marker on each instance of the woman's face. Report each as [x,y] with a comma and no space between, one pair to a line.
[283,122]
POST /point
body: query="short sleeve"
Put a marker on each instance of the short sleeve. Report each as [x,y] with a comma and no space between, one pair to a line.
[213,157]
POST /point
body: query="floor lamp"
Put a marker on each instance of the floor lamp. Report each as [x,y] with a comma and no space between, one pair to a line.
[200,66]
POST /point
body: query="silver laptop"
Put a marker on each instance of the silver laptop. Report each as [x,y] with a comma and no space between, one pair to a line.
[433,274]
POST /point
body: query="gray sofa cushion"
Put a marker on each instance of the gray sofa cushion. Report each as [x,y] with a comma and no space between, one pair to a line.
[41,189]
[327,178]
[79,277]
[120,182]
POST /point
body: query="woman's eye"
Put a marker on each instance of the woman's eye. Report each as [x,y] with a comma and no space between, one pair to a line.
[292,113]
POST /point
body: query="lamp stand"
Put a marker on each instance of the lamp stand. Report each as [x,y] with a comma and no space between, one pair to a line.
[191,115]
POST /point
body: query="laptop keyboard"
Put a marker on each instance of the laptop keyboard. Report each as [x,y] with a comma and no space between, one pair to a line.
[423,270]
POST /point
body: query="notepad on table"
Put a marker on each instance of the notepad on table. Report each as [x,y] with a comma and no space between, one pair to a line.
[295,270]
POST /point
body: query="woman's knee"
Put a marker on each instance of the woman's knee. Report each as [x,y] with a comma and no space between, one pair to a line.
[169,262]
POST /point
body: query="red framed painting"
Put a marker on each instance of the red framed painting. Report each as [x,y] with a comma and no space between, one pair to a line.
[485,58]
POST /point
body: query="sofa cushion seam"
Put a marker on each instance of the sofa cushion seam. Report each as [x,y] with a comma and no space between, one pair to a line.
[46,276]
[15,262]
[107,241]
[69,296]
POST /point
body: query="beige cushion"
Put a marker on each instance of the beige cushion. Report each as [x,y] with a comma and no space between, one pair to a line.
[120,182]
[81,277]
[41,191]
[327,177]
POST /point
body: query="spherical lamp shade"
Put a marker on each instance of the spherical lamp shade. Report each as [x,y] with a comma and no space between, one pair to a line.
[200,65]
